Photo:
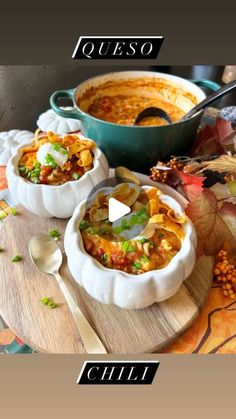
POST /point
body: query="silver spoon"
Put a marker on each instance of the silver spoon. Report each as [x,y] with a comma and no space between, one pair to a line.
[154,111]
[47,256]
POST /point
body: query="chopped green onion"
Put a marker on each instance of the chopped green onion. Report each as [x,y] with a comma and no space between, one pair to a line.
[49,302]
[90,230]
[161,235]
[52,304]
[1,249]
[126,246]
[50,161]
[104,257]
[58,147]
[35,180]
[16,258]
[126,224]
[144,240]
[34,174]
[137,265]
[54,234]
[22,169]
[144,259]
[14,211]
[97,230]
[83,225]
[45,300]
[76,176]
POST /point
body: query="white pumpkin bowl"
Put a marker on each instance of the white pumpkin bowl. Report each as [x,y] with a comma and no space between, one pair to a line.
[111,286]
[10,142]
[55,201]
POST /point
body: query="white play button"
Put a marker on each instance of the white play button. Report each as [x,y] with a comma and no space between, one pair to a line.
[116,209]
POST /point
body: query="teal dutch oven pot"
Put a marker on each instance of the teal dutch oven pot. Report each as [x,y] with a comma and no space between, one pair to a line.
[136,147]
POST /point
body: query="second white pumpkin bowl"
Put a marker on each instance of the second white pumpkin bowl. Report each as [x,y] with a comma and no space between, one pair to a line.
[111,286]
[55,201]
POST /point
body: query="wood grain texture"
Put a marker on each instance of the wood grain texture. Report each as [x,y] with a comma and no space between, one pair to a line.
[53,331]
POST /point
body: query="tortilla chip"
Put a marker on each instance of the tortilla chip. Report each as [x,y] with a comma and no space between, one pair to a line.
[169,225]
[125,193]
[85,158]
[100,200]
[153,193]
[53,138]
[98,214]
[153,206]
[176,219]
[157,218]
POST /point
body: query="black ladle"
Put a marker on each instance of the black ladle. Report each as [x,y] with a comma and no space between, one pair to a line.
[154,111]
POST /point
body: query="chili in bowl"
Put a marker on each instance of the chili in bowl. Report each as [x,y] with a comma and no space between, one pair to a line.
[54,173]
[52,160]
[116,266]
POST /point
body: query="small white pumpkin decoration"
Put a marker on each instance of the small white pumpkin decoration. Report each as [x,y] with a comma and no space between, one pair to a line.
[112,286]
[50,121]
[55,201]
[10,142]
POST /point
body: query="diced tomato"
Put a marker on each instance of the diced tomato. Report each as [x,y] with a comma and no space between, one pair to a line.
[45,171]
[118,259]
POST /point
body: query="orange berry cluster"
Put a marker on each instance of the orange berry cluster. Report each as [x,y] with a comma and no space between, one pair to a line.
[225,274]
[160,175]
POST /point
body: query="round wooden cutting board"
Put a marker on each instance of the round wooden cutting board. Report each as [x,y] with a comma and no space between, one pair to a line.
[123,331]
[22,286]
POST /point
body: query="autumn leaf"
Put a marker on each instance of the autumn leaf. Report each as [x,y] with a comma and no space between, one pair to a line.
[212,139]
[223,129]
[223,163]
[215,226]
[192,185]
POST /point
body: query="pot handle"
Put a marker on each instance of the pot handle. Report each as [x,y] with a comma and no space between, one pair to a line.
[212,85]
[60,94]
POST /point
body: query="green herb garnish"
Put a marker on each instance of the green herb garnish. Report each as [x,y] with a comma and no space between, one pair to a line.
[16,258]
[76,176]
[54,234]
[34,174]
[144,259]
[1,249]
[144,240]
[83,225]
[161,235]
[58,147]
[49,302]
[104,257]
[14,211]
[126,224]
[126,246]
[137,265]
[50,161]
[97,230]
[52,304]
[22,169]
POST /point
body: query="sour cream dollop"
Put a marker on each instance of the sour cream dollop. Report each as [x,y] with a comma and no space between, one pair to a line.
[58,154]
